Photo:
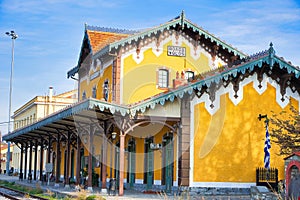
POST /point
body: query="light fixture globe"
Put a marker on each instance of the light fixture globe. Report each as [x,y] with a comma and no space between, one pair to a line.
[113,135]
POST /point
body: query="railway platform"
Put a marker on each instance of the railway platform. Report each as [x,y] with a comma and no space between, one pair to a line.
[128,194]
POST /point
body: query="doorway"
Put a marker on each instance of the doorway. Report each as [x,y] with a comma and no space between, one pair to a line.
[148,164]
[131,163]
[167,162]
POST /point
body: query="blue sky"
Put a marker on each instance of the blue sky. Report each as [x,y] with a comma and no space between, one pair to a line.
[51,31]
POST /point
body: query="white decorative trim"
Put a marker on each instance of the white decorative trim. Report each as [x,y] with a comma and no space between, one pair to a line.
[263,84]
[286,97]
[179,42]
[222,184]
[240,92]
[157,182]
[229,89]
[139,181]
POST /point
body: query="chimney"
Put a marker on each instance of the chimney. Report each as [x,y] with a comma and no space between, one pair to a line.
[50,93]
[179,80]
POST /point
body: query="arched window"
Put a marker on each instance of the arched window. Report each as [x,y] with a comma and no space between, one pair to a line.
[94,92]
[105,90]
[83,95]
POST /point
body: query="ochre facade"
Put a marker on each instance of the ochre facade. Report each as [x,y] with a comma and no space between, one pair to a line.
[167,107]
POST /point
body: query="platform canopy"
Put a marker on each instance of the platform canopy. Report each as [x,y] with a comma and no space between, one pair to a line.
[68,119]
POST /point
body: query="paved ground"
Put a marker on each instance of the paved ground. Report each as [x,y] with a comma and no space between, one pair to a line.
[128,194]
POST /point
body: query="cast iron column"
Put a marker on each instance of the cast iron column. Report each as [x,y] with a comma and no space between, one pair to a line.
[41,159]
[68,162]
[30,161]
[21,162]
[104,160]
[49,149]
[25,167]
[57,175]
[122,163]
[35,159]
[90,168]
[78,160]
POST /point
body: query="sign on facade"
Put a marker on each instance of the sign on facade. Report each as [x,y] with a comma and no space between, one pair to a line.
[49,167]
[176,51]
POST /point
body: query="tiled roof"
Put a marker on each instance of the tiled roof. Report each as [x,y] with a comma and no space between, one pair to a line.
[99,39]
[297,153]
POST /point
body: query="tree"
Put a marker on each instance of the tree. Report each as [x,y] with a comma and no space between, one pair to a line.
[286,130]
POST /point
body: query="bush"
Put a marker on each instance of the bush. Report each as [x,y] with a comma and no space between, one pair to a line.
[91,197]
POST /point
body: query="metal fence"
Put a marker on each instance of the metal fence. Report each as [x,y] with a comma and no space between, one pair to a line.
[267,177]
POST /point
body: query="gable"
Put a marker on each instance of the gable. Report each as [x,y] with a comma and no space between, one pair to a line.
[181,26]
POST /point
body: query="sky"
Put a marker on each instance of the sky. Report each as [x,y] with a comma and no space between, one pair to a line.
[51,32]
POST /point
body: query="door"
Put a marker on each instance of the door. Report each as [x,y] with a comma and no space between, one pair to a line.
[117,163]
[150,170]
[168,162]
[72,165]
[131,163]
[149,164]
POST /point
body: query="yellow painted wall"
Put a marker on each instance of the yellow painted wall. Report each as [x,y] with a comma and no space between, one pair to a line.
[140,154]
[87,85]
[107,75]
[233,154]
[139,80]
[139,166]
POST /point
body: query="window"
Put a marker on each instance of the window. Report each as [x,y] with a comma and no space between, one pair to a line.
[105,90]
[188,75]
[94,92]
[83,95]
[163,78]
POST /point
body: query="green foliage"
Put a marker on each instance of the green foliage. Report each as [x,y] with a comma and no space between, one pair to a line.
[91,197]
[285,130]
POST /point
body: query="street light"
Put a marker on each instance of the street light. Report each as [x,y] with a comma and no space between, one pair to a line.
[13,37]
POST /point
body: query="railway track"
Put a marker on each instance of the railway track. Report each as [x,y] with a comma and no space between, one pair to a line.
[13,194]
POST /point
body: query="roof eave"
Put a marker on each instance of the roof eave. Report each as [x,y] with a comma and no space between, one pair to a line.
[74,109]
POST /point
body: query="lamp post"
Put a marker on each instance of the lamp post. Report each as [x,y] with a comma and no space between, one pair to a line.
[13,37]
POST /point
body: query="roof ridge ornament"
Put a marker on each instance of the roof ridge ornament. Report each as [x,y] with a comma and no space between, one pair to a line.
[271,55]
[110,30]
[182,16]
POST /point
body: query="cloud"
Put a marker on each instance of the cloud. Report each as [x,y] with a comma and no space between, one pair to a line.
[252,25]
[44,6]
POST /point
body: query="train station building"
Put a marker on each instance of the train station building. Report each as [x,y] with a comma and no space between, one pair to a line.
[167,107]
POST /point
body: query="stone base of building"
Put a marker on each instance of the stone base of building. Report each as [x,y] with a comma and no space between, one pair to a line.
[189,190]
